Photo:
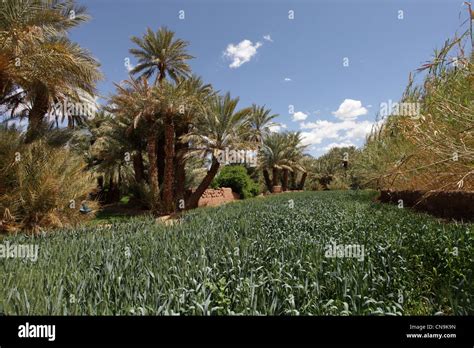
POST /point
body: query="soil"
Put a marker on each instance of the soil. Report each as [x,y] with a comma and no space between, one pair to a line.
[457,205]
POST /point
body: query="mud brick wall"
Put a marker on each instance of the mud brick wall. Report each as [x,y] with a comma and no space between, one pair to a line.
[212,197]
[457,205]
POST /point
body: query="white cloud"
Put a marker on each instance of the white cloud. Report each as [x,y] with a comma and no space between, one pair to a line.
[277,128]
[347,131]
[360,130]
[267,37]
[287,79]
[299,116]
[241,53]
[350,109]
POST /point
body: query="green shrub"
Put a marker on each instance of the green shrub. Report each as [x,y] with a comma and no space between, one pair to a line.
[236,177]
[39,184]
[338,183]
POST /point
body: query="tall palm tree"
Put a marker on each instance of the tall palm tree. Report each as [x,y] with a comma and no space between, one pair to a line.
[43,62]
[161,54]
[200,94]
[33,20]
[27,23]
[294,155]
[156,107]
[219,126]
[62,72]
[173,102]
[280,152]
[260,121]
[272,158]
[138,98]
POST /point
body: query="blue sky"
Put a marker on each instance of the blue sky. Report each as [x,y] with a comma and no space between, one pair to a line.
[282,62]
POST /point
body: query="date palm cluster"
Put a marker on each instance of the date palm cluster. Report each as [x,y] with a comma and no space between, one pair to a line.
[173,119]
[157,136]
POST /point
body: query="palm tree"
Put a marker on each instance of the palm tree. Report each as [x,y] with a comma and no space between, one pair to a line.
[70,72]
[294,155]
[219,126]
[113,128]
[280,152]
[154,107]
[52,68]
[272,157]
[138,98]
[200,94]
[160,54]
[25,24]
[260,121]
[173,102]
[34,20]
[307,166]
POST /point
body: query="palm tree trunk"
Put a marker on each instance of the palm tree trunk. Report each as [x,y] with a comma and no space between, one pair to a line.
[180,166]
[35,119]
[138,167]
[284,180]
[268,182]
[160,156]
[119,182]
[303,179]
[153,172]
[100,182]
[293,180]
[168,201]
[113,195]
[194,198]
[161,139]
[161,75]
[111,190]
[275,176]
[180,173]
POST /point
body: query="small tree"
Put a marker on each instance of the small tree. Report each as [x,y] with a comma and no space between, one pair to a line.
[219,126]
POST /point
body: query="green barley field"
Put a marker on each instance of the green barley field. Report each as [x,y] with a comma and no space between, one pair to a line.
[264,256]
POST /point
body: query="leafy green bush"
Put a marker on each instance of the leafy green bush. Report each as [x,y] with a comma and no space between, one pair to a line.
[236,177]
